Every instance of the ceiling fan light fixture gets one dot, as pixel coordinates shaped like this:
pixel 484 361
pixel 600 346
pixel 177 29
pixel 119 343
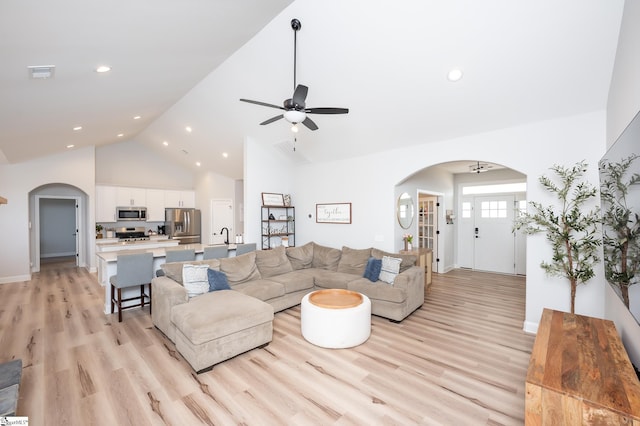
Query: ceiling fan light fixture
pixel 479 167
pixel 295 116
pixel 294 128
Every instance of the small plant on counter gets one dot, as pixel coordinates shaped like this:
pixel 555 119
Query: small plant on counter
pixel 98 230
pixel 572 232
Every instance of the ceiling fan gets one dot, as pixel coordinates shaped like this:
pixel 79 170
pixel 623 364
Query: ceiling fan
pixel 295 109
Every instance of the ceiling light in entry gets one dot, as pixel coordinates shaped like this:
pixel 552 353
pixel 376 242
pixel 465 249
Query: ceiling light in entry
pixel 103 68
pixel 120 135
pixel 188 129
pixel 225 155
pixel 77 128
pixel 137 117
pixel 198 163
pixel 70 146
pixel 165 143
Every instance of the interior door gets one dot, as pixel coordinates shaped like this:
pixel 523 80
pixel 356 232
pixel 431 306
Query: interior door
pixel 221 217
pixel 494 242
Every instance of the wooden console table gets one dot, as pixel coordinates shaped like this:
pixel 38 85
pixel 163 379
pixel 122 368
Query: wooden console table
pixel 580 374
pixel 425 260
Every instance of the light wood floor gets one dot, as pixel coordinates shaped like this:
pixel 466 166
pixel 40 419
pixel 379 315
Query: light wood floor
pixel 459 360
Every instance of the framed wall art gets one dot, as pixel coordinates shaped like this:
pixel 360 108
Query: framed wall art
pixel 272 199
pixel 333 213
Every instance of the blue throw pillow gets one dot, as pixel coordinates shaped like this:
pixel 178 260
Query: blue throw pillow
pixel 217 280
pixel 373 268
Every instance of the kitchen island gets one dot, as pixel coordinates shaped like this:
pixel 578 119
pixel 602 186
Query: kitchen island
pixel 107 264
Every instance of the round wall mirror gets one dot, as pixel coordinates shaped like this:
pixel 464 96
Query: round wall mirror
pixel 405 210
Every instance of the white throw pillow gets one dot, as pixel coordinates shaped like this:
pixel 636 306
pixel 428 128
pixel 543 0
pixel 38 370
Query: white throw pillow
pixel 195 279
pixel 390 269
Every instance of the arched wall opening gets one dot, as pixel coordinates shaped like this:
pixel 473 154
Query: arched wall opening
pixel 453 243
pixel 50 208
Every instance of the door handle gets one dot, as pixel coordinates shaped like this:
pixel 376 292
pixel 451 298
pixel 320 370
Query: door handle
pixel 476 232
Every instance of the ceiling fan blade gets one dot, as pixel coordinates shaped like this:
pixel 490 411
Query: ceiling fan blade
pixel 272 119
pixel 261 103
pixel 300 95
pixel 310 124
pixel 327 110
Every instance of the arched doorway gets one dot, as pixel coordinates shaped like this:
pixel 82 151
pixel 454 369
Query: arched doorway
pixel 460 216
pixel 57 221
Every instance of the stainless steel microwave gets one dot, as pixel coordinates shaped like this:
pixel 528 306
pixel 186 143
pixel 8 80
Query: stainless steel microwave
pixel 131 213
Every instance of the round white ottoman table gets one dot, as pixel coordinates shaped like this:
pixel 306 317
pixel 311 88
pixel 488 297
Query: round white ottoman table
pixel 335 318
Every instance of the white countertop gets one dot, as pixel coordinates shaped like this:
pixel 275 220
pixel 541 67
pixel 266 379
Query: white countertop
pixel 112 256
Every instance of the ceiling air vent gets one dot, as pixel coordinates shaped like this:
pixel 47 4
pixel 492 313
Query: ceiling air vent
pixel 39 72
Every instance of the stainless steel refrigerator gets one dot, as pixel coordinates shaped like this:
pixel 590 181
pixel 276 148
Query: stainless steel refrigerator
pixel 183 225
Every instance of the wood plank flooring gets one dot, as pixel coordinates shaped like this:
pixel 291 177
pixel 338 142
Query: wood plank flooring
pixel 461 359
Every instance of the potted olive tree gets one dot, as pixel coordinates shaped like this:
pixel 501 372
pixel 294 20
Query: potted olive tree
pixel 621 226
pixel 572 232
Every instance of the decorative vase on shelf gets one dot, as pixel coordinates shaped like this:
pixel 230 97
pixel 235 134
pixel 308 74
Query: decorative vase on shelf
pixel 409 246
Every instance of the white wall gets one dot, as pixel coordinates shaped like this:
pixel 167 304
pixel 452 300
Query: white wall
pixel 132 164
pixel 623 105
pixel 75 168
pixel 369 183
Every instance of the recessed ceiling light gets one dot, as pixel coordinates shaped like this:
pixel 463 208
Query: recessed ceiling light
pixel 77 128
pixel 225 155
pixel 198 163
pixel 165 143
pixel 120 135
pixel 137 117
pixel 103 68
pixel 455 74
pixel 188 129
pixel 70 146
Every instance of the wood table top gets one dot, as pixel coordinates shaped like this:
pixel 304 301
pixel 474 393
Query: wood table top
pixel 335 298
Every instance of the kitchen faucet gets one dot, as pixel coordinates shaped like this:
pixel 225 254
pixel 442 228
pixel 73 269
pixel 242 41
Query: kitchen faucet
pixel 226 241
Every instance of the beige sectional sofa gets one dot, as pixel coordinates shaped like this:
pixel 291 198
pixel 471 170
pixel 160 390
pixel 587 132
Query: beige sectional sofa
pixel 279 278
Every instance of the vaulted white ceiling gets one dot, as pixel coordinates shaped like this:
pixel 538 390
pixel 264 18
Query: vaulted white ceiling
pixel 187 63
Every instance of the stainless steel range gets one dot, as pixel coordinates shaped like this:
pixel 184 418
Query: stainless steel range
pixel 131 234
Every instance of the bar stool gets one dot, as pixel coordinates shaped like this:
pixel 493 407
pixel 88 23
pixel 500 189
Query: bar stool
pixel 132 270
pixel 245 248
pixel 180 255
pixel 215 252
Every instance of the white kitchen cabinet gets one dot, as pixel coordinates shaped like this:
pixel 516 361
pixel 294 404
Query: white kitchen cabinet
pixel 127 196
pixel 105 203
pixel 155 205
pixel 175 198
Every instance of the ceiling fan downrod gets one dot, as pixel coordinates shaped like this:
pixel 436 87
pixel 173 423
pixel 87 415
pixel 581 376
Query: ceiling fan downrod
pixel 295 25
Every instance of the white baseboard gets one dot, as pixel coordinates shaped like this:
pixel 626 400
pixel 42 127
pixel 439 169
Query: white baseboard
pixel 15 279
pixel 63 254
pixel 530 327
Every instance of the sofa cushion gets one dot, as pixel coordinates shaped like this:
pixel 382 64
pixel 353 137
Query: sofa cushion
pixel 408 260
pixel 241 268
pixel 378 290
pixel 218 314
pixel 330 279
pixel 295 281
pixel 273 262
pixel 373 268
pixel 173 270
pixel 390 269
pixel 300 257
pixel 325 257
pixel 261 289
pixel 194 279
pixel 217 280
pixel 353 261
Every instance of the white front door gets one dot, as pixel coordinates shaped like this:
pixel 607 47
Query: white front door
pixel 494 241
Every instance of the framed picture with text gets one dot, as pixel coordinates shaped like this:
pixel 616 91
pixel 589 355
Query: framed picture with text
pixel 333 213
pixel 272 199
